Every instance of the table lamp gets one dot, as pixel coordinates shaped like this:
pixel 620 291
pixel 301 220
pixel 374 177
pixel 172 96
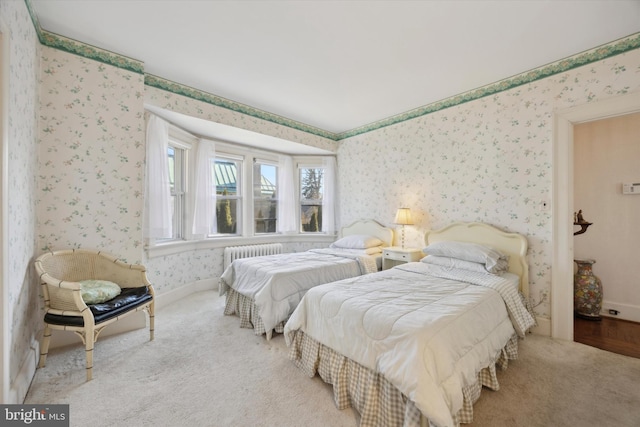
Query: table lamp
pixel 403 217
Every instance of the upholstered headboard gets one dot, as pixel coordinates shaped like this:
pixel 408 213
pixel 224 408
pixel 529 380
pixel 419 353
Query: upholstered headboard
pixel 369 227
pixel 513 244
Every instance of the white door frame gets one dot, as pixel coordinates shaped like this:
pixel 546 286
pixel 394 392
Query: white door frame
pixel 562 229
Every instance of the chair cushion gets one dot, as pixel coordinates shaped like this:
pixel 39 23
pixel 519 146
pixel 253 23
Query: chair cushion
pixel 128 299
pixel 98 291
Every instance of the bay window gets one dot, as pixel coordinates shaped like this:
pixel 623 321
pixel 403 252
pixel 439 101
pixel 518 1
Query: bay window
pixel 247 193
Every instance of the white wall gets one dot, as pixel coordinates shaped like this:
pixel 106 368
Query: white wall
pixel 607 154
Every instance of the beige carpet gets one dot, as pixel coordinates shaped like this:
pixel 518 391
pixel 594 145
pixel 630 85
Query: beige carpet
pixel 203 370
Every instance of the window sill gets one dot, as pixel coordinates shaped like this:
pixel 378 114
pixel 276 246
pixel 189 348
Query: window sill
pixel 170 248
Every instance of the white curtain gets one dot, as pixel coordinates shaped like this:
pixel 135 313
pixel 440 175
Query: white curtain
pixel 204 213
pixel 158 214
pixel 286 198
pixel 329 196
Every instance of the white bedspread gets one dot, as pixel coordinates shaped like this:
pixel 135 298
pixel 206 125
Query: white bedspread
pixel 427 335
pixel 277 283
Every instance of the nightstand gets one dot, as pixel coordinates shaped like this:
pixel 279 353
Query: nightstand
pixel 395 255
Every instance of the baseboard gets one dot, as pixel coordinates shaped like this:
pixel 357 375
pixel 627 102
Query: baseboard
pixel 543 327
pixel 19 388
pixel 625 311
pixel 167 298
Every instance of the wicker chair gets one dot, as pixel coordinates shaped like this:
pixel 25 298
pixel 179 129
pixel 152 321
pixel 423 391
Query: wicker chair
pixel 60 273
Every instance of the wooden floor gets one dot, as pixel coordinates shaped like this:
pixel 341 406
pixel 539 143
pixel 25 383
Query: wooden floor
pixel 611 334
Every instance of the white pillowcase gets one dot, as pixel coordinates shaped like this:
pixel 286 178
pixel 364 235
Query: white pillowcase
pixel 357 241
pixel 462 264
pixel 368 251
pixel 492 259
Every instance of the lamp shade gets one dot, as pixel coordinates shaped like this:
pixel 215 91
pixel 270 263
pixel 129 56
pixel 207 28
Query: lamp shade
pixel 403 217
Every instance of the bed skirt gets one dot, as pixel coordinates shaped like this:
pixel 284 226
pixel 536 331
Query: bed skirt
pixel 377 401
pixel 245 308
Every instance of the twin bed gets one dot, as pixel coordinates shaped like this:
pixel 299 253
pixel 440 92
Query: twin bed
pixel 263 291
pixel 415 344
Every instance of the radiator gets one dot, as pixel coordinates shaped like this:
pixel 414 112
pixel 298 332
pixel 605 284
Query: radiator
pixel 247 251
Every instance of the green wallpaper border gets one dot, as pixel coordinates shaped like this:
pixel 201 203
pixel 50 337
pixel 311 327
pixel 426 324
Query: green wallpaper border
pixel 198 95
pixel 56 41
pixel 617 47
pixel 85 50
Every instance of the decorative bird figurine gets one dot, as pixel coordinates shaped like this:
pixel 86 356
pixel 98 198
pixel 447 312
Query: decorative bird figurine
pixel 578 219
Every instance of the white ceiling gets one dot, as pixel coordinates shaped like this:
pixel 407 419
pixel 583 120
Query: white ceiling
pixel 339 65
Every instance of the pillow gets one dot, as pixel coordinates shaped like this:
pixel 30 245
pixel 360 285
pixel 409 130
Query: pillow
pixel 464 265
pixel 98 291
pixel 491 258
pixel 357 241
pixel 368 251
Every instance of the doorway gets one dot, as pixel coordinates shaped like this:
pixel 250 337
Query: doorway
pixel 563 193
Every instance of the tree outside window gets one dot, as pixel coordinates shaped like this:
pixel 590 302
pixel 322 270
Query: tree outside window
pixel 311 188
pixel 228 196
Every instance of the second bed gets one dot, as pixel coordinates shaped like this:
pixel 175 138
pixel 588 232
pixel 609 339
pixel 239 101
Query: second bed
pixel 263 291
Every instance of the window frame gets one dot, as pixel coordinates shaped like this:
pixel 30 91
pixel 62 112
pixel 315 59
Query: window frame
pixel 240 193
pixel 266 162
pixel 307 164
pixel 184 145
pixel 245 233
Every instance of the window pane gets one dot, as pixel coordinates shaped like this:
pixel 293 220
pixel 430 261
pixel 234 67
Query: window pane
pixel 226 173
pixel 176 159
pixel 228 194
pixel 264 181
pixel 171 152
pixel 311 218
pixel 174 217
pixel 265 202
pixel 311 188
pixel 227 215
pixel 265 215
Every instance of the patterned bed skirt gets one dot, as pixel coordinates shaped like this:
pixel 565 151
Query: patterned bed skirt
pixel 377 401
pixel 245 308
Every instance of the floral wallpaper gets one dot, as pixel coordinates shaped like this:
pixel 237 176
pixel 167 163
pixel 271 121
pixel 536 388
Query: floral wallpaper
pixel 92 154
pixel 22 296
pixel 488 160
pixel 171 272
